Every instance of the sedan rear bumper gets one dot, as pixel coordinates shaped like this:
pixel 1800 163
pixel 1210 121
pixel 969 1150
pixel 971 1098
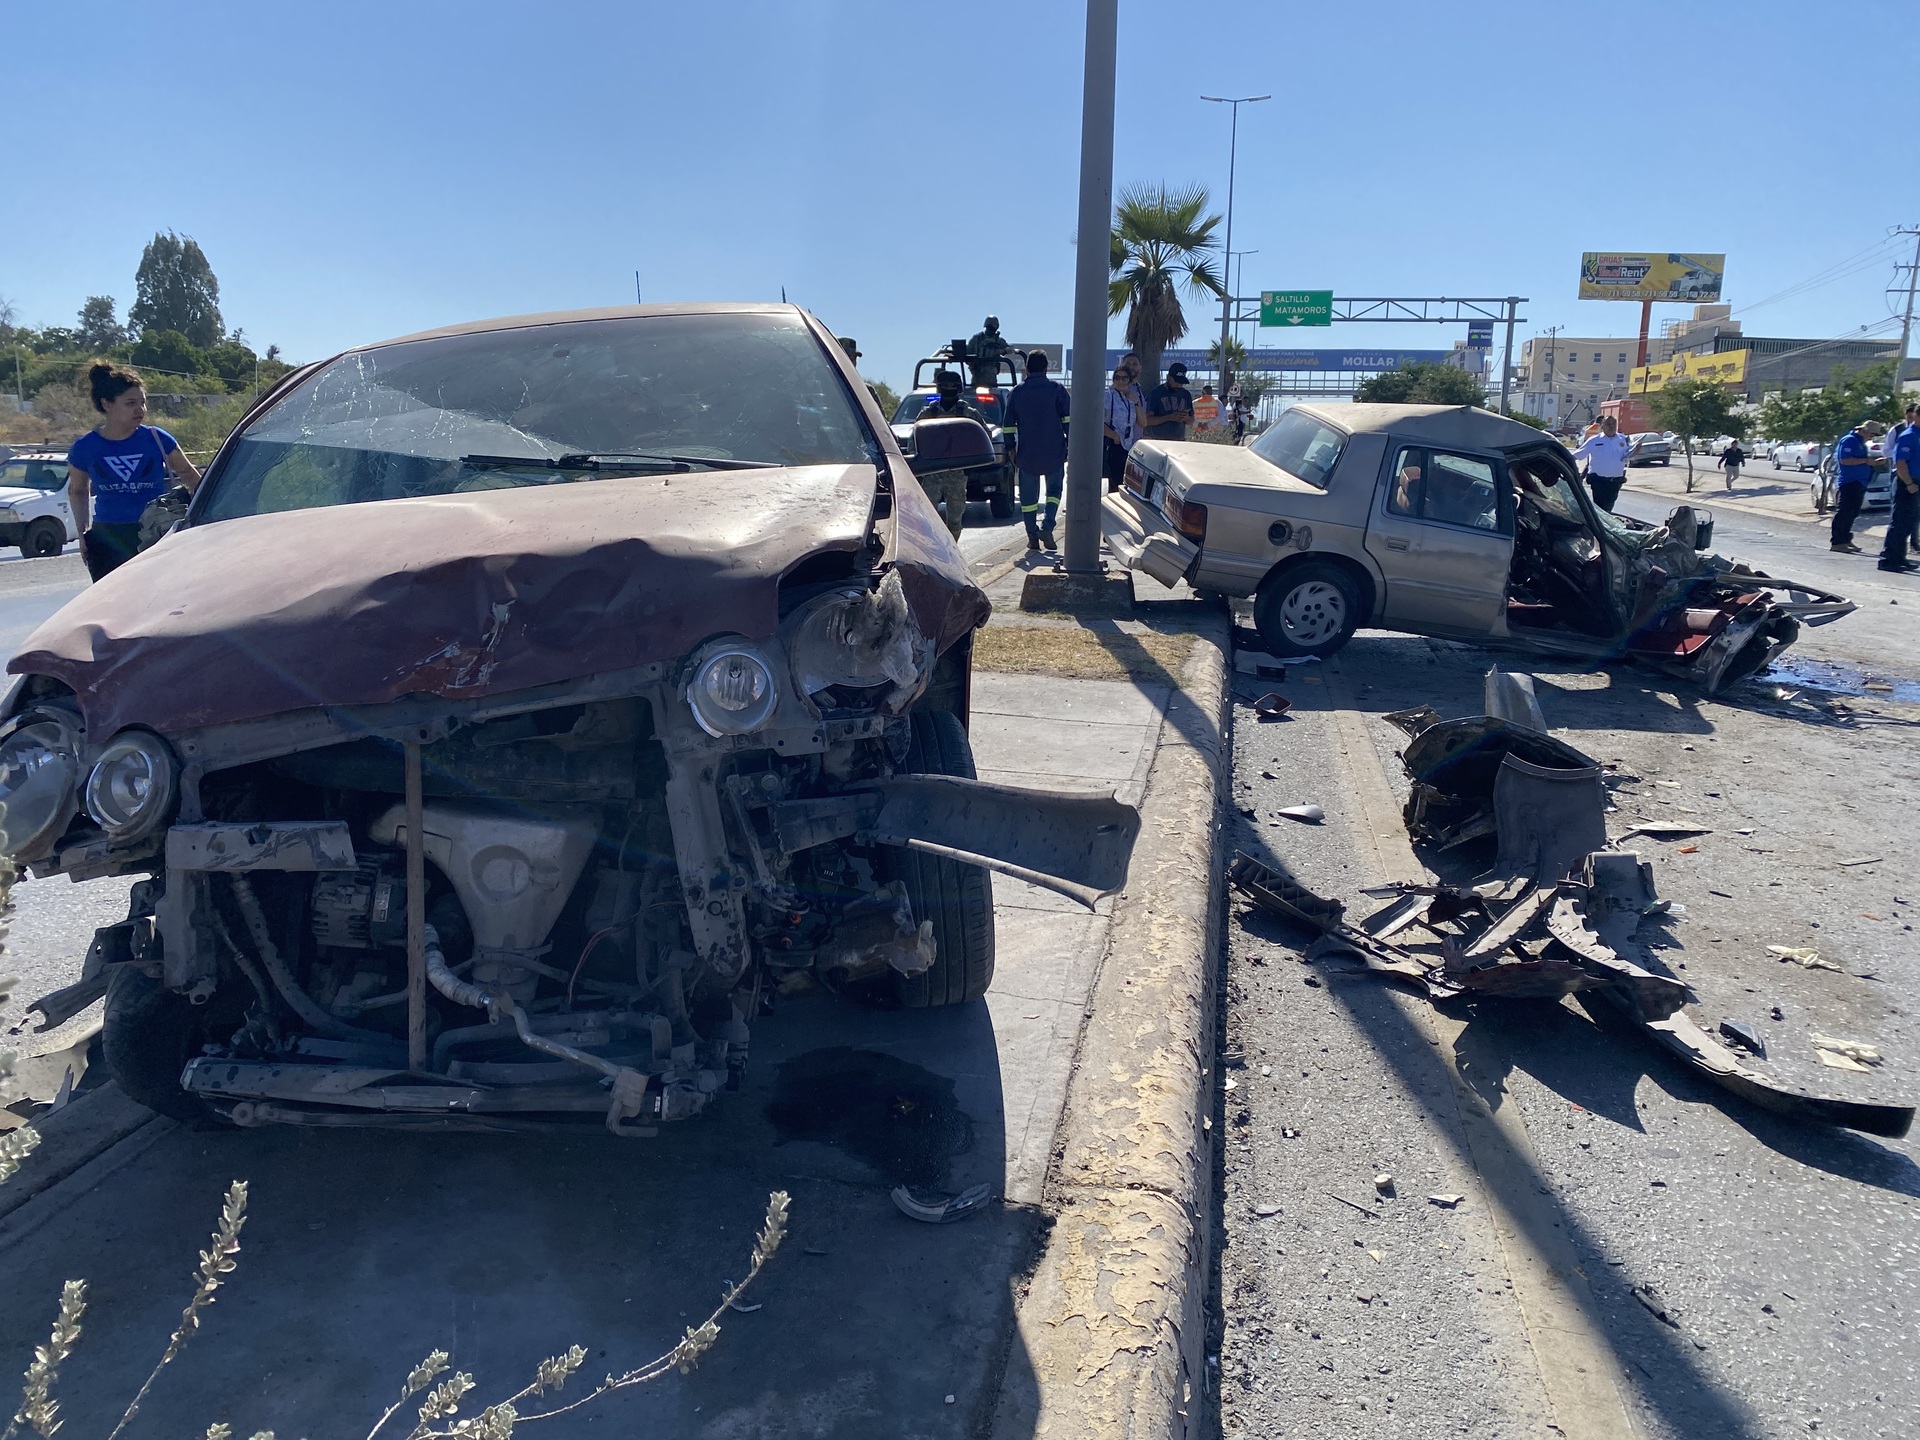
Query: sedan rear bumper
pixel 1141 540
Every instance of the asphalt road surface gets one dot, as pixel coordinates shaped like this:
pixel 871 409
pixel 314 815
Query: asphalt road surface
pixel 1780 1254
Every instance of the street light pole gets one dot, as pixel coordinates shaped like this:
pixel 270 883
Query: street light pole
pixel 1090 307
pixel 1233 156
pixel 1233 282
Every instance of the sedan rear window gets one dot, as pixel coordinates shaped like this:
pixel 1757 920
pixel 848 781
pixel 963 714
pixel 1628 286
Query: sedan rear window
pixel 543 405
pixel 1304 447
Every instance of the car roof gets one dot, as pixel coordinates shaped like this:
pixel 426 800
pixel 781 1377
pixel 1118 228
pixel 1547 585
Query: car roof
pixel 1465 425
pixel 568 317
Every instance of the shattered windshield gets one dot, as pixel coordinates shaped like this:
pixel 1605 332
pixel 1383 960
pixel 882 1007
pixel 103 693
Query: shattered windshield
pixel 448 416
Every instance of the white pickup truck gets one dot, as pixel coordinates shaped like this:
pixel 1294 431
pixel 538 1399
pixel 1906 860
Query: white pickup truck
pixel 34 513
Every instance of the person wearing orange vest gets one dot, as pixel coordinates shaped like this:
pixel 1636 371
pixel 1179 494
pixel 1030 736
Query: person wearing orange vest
pixel 1206 409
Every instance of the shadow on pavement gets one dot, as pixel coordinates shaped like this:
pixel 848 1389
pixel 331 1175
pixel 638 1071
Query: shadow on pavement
pixel 365 1250
pixel 1669 1379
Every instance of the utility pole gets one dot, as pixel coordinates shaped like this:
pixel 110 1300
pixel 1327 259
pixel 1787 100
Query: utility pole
pixel 636 288
pixel 1091 266
pixel 1506 363
pixel 1233 155
pixel 1906 324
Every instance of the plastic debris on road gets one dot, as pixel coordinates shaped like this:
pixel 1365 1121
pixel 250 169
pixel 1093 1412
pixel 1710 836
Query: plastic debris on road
pixel 933 1208
pixel 1799 955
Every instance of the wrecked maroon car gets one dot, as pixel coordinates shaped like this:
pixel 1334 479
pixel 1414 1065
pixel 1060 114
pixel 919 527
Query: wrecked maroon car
pixel 518 706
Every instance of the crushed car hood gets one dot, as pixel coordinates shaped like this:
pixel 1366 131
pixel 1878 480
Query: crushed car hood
pixel 463 596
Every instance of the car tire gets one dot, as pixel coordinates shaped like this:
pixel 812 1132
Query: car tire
pixel 1312 609
pixel 43 538
pixel 147 1035
pixel 957 898
pixel 1000 505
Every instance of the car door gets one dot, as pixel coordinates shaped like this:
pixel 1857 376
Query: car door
pixel 1441 532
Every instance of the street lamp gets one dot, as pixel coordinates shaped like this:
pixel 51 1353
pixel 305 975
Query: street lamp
pixel 1233 155
pixel 1233 284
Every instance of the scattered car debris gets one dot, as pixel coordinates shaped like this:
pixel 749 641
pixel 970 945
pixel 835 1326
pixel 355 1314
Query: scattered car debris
pixel 1272 706
pixel 1666 830
pixel 1254 662
pixel 1354 1205
pixel 1305 814
pixel 1846 1054
pixel 1383 1184
pixel 1745 1036
pixel 1864 860
pixel 1799 955
pixel 933 1208
pixel 1445 1202
pixel 1266 1211
pixel 1646 1295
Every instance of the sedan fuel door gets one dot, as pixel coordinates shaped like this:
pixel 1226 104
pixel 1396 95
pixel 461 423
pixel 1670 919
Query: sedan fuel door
pixel 1441 532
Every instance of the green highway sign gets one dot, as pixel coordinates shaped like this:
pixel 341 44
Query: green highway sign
pixel 1288 309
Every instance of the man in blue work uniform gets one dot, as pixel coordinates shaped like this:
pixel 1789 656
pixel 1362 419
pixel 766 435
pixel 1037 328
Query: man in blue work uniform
pixel 1855 467
pixel 1036 410
pixel 1906 501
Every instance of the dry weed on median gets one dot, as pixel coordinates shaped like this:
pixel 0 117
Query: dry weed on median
pixel 1080 653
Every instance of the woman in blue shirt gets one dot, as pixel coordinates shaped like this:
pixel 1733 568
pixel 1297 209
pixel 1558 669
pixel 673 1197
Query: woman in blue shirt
pixel 118 468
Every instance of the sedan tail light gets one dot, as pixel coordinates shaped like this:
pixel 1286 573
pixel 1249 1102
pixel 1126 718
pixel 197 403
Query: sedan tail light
pixel 1189 519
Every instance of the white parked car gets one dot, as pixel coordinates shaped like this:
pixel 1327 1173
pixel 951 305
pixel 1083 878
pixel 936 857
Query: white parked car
pixel 33 503
pixel 1797 455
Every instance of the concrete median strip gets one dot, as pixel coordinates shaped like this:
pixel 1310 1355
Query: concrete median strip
pixel 1114 1316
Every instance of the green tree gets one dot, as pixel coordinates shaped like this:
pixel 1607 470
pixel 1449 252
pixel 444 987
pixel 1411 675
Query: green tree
pixel 1691 408
pixel 1421 383
pixel 233 363
pixel 885 396
pixel 99 330
pixel 177 291
pixel 1236 362
pixel 169 353
pixel 1161 240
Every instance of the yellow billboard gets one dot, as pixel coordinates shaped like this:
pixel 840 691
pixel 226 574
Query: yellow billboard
pixel 1611 275
pixel 1729 367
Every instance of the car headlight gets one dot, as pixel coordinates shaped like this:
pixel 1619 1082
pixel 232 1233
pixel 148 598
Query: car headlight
pixel 860 638
pixel 732 691
pixel 38 768
pixel 132 785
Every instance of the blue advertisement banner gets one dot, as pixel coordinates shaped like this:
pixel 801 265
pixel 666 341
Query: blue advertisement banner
pixel 1276 359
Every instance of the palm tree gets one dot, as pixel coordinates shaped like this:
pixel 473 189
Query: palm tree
pixel 1160 238
pixel 1236 362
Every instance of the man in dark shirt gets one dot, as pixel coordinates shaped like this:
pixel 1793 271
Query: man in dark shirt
pixel 1170 406
pixel 1037 439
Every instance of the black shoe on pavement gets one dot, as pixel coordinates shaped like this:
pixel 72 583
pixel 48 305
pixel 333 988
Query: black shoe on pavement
pixel 1046 539
pixel 1898 567
pixel 1847 550
pixel 1033 542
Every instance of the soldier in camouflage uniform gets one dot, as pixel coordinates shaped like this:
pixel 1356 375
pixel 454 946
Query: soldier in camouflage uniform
pixel 948 488
pixel 985 351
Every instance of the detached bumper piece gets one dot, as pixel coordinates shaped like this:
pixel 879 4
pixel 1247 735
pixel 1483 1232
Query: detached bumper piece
pixel 1558 914
pixel 1542 945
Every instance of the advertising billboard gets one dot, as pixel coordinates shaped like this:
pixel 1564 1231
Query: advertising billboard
pixel 1610 275
pixel 1729 367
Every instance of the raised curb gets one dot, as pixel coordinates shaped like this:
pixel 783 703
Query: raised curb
pixel 1114 1317
pixel 93 1124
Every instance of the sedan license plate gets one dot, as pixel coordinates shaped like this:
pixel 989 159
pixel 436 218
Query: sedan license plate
pixel 1156 492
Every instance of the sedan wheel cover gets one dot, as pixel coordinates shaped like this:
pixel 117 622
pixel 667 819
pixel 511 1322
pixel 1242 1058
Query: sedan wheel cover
pixel 1313 613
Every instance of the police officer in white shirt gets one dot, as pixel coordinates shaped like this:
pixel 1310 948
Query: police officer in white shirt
pixel 1606 455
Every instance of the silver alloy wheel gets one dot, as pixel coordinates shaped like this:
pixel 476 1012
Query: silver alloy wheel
pixel 1313 613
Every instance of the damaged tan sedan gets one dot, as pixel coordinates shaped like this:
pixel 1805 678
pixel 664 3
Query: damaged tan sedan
pixel 1445 521
pixel 517 707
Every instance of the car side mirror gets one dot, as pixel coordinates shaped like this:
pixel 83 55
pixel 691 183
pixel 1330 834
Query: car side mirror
pixel 955 442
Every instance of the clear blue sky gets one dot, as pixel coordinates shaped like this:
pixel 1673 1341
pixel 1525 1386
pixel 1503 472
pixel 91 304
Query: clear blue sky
pixel 356 171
